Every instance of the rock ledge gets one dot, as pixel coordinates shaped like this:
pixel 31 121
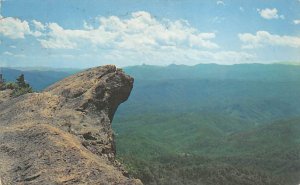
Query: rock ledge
pixel 63 135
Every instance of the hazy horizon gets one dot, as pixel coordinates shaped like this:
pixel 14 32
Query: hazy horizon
pixel 42 68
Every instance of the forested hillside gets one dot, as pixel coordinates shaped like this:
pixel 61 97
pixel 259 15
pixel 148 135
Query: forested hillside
pixel 212 124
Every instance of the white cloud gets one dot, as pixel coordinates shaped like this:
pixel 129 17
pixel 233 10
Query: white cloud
pixel 220 3
pixel 270 13
pixel 264 38
pixel 142 39
pixel 87 26
pixel 14 28
pixel 37 33
pixel 137 39
pixel 7 53
pixel 60 38
pixel 38 25
pixel 141 30
pixel 296 21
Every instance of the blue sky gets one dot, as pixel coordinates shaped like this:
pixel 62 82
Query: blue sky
pixel 79 34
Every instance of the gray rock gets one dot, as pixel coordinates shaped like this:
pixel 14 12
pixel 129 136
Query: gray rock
pixel 63 135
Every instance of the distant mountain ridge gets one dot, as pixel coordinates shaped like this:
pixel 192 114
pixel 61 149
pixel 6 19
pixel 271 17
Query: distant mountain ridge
pixel 261 72
pixel 37 79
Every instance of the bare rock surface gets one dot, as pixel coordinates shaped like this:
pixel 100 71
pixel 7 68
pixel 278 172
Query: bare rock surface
pixel 63 135
pixel 5 95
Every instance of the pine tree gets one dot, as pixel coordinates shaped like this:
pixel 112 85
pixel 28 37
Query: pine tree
pixel 21 81
pixel 22 86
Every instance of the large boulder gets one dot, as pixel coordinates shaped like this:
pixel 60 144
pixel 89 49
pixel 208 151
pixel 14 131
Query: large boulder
pixel 63 135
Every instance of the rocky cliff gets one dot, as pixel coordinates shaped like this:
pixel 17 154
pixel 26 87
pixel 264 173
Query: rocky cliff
pixel 63 135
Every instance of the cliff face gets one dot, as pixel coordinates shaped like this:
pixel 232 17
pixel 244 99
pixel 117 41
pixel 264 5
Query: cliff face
pixel 63 135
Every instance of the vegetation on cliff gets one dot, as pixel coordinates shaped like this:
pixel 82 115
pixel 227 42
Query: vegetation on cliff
pixel 18 88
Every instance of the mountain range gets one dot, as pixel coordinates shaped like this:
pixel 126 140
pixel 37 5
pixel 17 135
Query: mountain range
pixel 206 124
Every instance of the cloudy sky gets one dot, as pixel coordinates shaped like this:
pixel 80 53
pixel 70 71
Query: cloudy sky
pixel 85 33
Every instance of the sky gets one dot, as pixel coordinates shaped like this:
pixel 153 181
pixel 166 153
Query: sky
pixel 86 33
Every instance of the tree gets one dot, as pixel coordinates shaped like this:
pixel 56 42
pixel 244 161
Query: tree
pixel 22 86
pixel 21 82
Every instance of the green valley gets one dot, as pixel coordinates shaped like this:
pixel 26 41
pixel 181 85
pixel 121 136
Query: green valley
pixel 211 124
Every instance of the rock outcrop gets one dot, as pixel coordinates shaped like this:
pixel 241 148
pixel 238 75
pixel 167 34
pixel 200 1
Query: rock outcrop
pixel 63 135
